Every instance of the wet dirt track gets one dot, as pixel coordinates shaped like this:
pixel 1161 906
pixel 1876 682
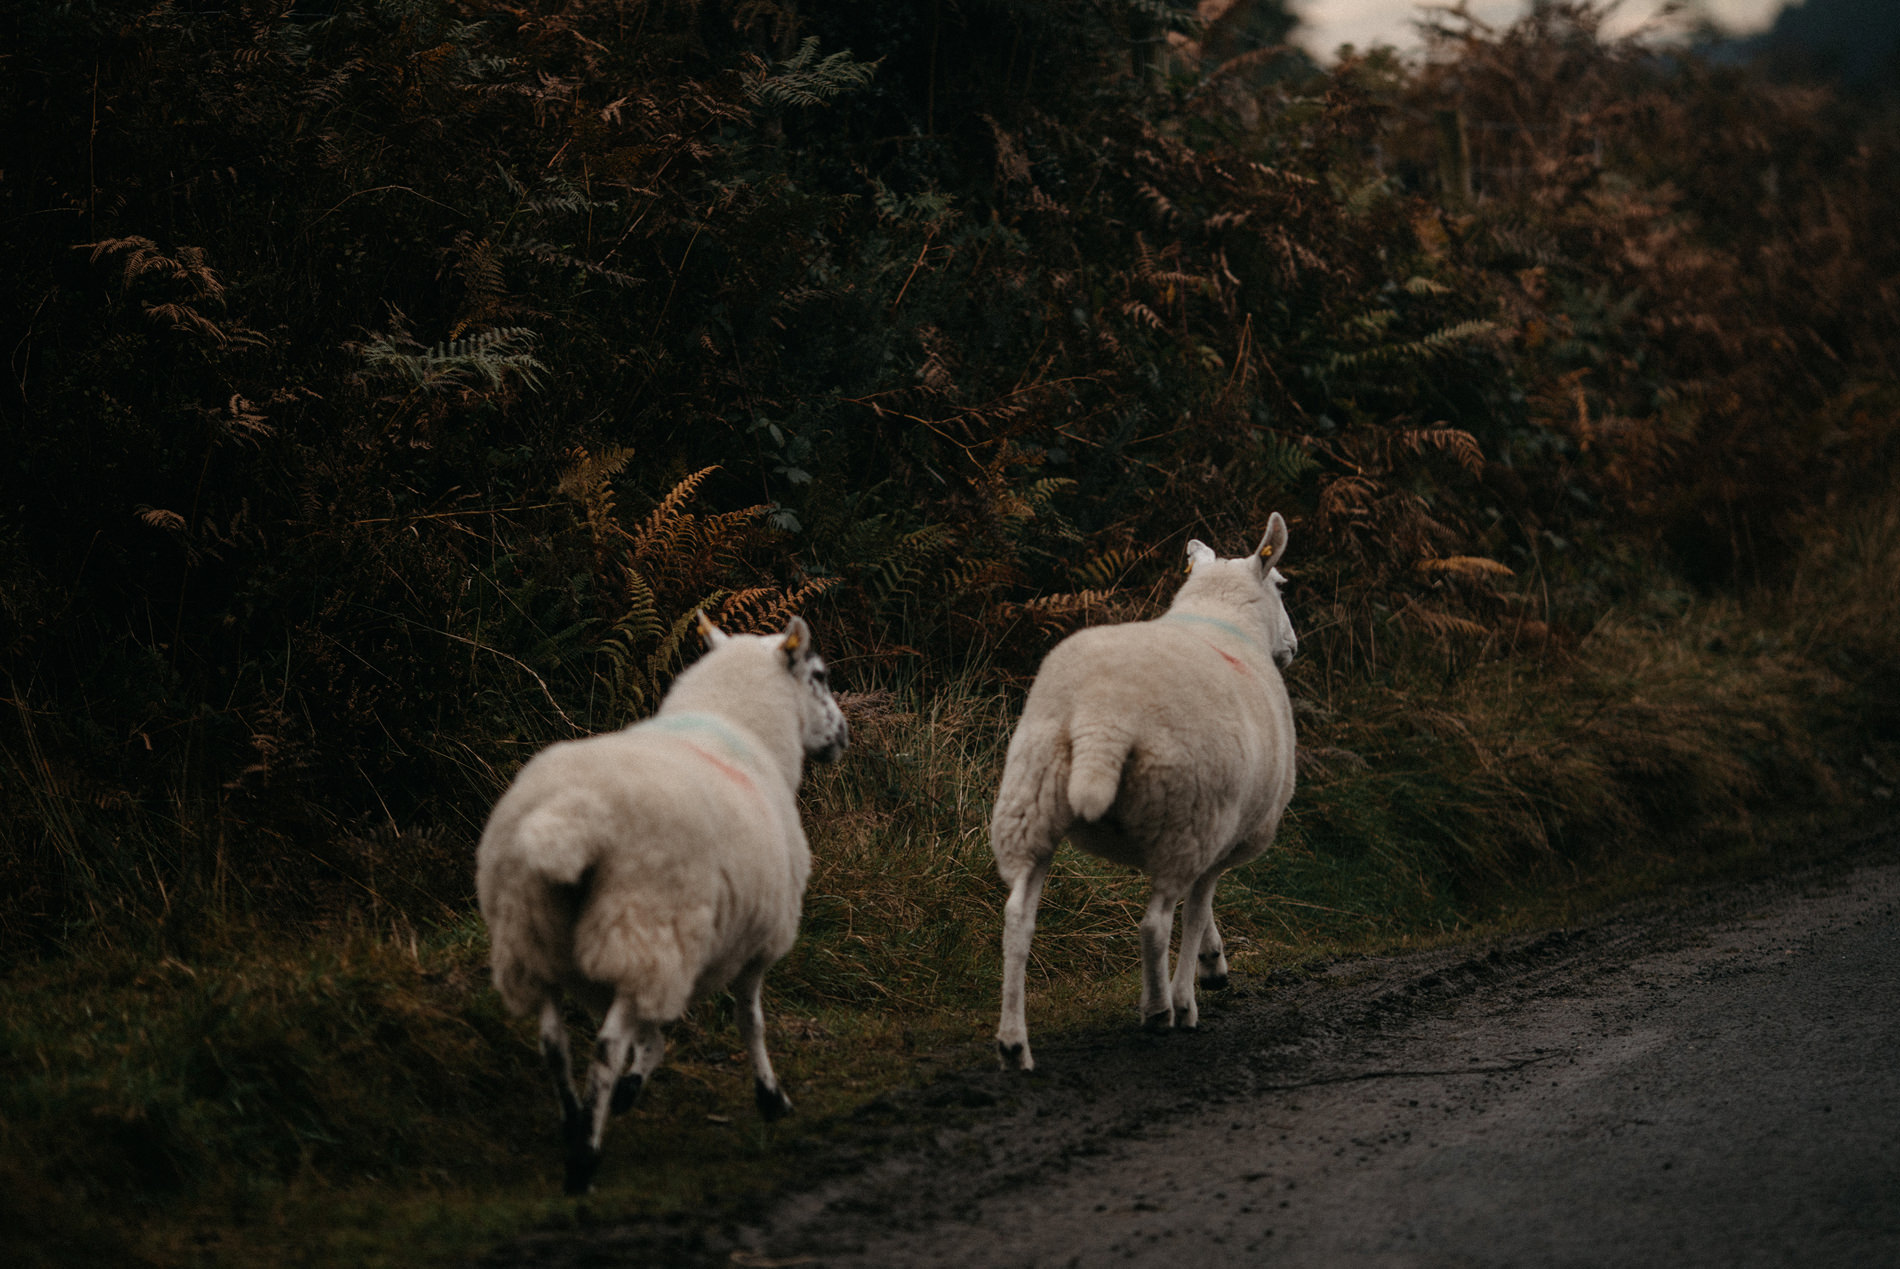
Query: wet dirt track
pixel 1716 1083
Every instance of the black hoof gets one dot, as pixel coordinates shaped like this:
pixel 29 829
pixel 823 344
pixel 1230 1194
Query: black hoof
pixel 626 1092
pixel 580 1172
pixel 773 1104
pixel 1010 1055
pixel 1159 1022
pixel 1215 982
pixel 582 1159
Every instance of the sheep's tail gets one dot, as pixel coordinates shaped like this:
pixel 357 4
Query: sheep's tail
pixel 1097 755
pixel 554 847
pixel 531 888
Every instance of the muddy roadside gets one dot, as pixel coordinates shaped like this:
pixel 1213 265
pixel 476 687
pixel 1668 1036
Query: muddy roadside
pixel 1708 1077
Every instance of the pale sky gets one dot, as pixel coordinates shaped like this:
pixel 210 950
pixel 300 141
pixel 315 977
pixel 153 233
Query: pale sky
pixel 1326 24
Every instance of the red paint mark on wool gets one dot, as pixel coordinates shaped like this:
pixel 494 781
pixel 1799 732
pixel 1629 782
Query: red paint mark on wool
pixel 1240 667
pixel 726 769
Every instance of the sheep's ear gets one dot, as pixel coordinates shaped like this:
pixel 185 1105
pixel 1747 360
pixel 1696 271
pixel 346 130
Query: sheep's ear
pixel 1198 552
pixel 1273 546
pixel 712 634
pixel 796 643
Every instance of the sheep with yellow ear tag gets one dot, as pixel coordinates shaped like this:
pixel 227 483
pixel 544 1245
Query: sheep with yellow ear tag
pixel 638 870
pixel 1166 745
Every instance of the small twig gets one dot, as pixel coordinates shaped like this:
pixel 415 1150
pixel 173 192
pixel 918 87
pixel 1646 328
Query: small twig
pixel 523 665
pixel 477 644
pixel 448 515
pixel 922 252
pixel 677 272
pixel 1302 903
pixel 383 189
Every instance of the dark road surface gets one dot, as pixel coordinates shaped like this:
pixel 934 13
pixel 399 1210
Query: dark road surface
pixel 1710 1085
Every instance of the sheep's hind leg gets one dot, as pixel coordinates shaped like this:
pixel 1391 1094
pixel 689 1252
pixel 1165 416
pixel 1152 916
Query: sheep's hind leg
pixel 1198 935
pixel 1019 928
pixel 772 1101
pixel 560 1066
pixel 1157 924
pixel 611 1050
pixel 1213 957
pixel 649 1046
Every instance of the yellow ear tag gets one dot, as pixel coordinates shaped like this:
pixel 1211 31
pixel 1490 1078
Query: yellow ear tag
pixel 791 642
pixel 705 626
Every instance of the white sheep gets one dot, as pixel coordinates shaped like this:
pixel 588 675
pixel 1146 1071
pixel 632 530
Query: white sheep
pixel 640 869
pixel 1166 745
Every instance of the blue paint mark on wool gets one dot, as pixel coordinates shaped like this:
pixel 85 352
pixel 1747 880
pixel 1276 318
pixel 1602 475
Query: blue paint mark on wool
pixel 720 730
pixel 1228 626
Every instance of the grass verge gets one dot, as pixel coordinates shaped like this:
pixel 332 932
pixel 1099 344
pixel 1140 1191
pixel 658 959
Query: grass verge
pixel 352 1093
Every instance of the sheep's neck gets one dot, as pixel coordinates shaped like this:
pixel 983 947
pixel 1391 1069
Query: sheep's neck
pixel 1218 624
pixel 730 738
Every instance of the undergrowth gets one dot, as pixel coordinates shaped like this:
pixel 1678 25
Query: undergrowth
pixel 391 380
pixel 352 1093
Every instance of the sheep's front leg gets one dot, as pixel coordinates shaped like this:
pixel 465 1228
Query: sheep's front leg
pixel 1019 928
pixel 611 1050
pixel 1197 935
pixel 1157 924
pixel 773 1103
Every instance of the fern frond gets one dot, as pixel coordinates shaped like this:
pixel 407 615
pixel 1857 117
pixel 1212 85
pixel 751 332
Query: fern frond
pixel 1347 496
pixel 1457 442
pixel 663 520
pixel 1144 258
pixel 1436 344
pixel 588 479
pixel 159 518
pixel 1440 625
pixel 1041 491
pixel 662 659
pixel 486 357
pixel 1283 461
pixel 1142 314
pixel 893 573
pixel 1110 569
pixel 744 610
pixel 558 194
pixel 546 253
pixel 1469 568
pixel 641 620
pixel 804 80
pixel 1164 208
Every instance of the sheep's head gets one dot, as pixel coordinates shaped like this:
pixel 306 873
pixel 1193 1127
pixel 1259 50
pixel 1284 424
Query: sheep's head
pixel 822 725
pixel 1250 581
pixel 822 730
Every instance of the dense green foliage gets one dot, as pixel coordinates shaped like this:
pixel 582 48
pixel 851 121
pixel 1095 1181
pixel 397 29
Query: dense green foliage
pixel 390 379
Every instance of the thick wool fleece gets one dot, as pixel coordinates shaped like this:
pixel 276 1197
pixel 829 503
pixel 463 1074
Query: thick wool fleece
pixel 1180 726
pixel 658 860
